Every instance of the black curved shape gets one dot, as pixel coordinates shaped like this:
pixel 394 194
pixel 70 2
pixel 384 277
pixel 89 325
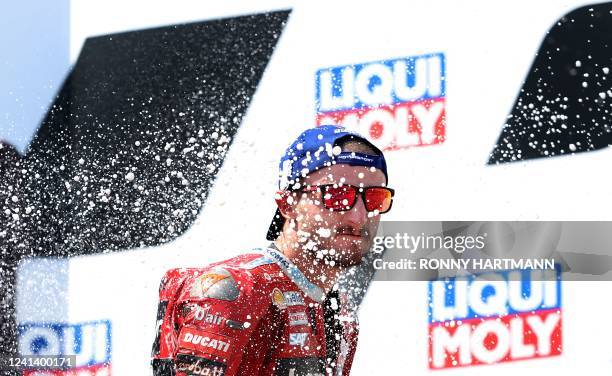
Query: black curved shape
pixel 131 147
pixel 128 151
pixel 565 104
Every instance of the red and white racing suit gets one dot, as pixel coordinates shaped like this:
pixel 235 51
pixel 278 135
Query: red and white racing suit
pixel 254 314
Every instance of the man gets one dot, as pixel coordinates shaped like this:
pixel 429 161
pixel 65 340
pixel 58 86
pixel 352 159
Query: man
pixel 278 311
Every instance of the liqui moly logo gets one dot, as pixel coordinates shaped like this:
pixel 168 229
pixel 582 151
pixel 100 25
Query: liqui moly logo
pixel 89 341
pixel 398 103
pixel 493 318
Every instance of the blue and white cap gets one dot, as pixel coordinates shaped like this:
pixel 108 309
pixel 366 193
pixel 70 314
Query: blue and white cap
pixel 316 148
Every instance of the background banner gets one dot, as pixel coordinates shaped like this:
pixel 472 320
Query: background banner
pixel 160 149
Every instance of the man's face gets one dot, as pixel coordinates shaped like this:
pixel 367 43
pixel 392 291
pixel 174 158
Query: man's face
pixel 338 237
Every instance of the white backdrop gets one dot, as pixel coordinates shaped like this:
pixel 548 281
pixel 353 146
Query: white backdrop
pixel 489 47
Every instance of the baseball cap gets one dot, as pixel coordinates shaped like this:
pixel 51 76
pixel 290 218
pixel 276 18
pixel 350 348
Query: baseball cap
pixel 316 148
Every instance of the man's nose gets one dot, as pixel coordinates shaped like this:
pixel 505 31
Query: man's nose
pixel 358 212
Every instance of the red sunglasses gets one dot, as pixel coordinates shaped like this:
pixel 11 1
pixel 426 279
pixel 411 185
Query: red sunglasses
pixel 343 197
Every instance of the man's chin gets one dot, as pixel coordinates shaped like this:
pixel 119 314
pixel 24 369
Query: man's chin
pixel 349 256
pixel 344 251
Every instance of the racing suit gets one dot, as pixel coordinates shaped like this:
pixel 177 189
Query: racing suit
pixel 254 314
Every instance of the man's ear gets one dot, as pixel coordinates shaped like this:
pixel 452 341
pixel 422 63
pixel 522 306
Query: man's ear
pixel 285 202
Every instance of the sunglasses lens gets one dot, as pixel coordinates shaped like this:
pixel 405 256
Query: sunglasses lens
pixel 378 199
pixel 339 198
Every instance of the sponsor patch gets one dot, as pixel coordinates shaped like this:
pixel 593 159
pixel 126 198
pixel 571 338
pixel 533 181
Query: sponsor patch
pixel 209 279
pixel 278 299
pixel 204 314
pixel 298 339
pixel 298 318
pixel 204 342
pixel 193 365
pixel 293 298
pixel 217 284
pixel 286 299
